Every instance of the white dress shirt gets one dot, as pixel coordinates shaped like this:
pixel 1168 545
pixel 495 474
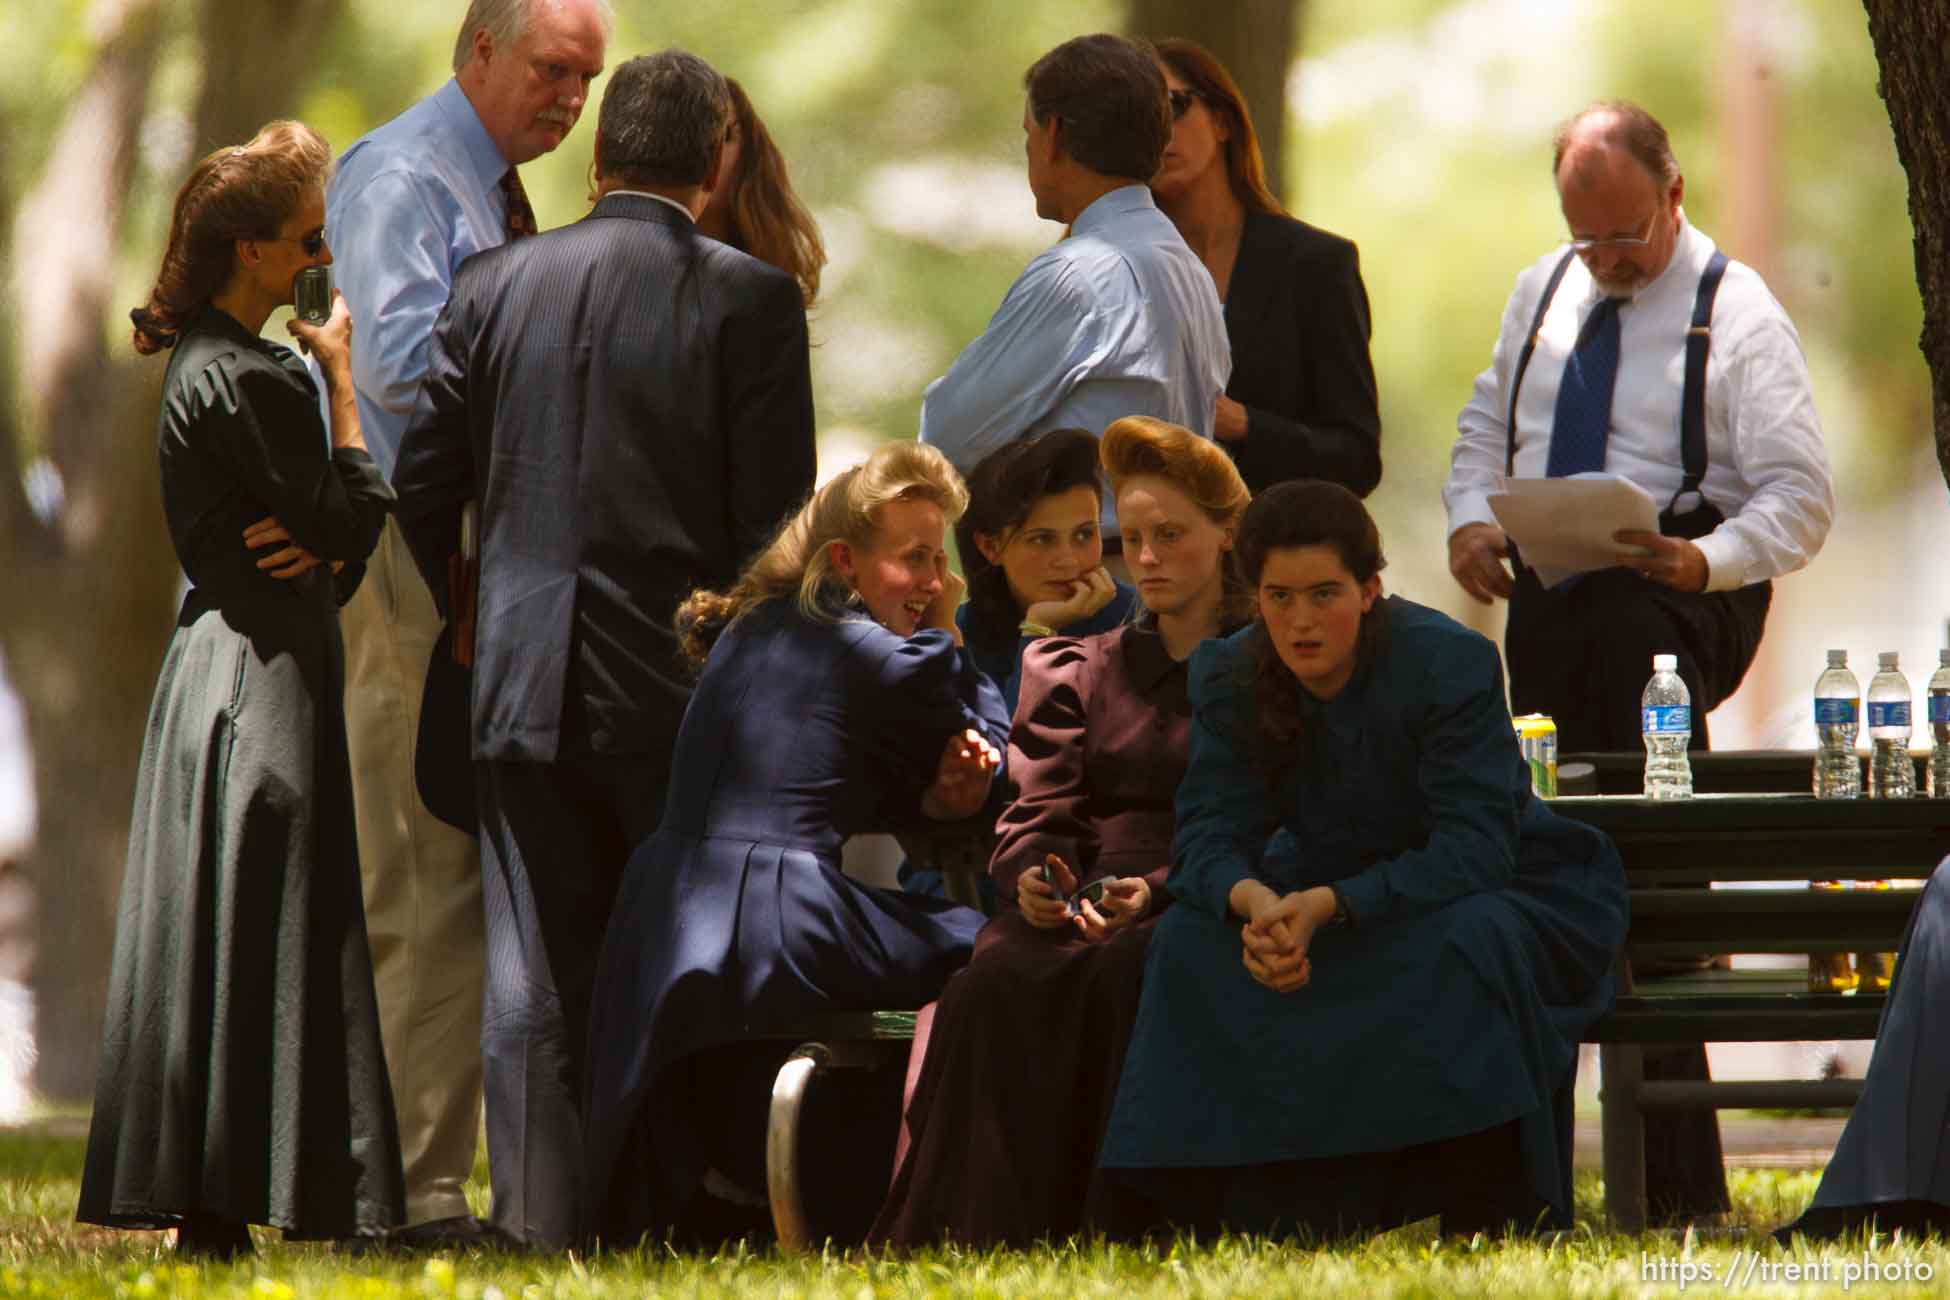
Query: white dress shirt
pixel 1767 470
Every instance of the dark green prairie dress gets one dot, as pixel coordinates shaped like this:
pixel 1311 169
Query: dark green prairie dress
pixel 1440 1029
pixel 241 1071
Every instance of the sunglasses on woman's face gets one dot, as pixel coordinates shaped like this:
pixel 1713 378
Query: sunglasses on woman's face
pixel 313 243
pixel 1181 102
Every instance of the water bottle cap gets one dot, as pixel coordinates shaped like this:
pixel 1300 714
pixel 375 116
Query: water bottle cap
pixel 1943 657
pixel 1839 658
pixel 1887 660
pixel 1665 663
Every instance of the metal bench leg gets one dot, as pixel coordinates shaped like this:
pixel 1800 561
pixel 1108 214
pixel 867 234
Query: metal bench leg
pixel 1622 1124
pixel 782 1146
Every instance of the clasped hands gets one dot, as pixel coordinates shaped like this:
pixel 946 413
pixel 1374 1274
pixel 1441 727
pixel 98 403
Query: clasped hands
pixel 1278 931
pixel 1045 904
pixel 1476 553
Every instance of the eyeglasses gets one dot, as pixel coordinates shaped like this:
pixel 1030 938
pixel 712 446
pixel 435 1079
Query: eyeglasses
pixel 1181 102
pixel 1618 243
pixel 313 243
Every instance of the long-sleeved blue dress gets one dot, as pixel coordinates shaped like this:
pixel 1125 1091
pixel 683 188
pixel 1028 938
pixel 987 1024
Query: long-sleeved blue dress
pixel 734 919
pixel 1483 931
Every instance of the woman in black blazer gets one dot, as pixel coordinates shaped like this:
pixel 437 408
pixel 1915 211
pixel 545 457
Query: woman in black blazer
pixel 1301 402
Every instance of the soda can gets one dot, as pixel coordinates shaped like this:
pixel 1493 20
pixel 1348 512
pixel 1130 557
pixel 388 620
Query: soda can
pixel 1537 739
pixel 311 294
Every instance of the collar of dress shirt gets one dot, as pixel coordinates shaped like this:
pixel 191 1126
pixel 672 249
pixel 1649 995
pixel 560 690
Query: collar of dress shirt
pixel 1107 207
pixel 661 198
pixel 483 159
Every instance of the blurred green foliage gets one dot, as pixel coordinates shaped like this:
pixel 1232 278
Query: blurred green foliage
pixel 1422 132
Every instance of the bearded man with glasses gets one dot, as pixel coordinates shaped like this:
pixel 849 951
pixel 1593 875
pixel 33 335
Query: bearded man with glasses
pixel 1641 350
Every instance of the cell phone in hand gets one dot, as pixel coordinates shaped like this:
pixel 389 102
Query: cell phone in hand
pixel 1073 903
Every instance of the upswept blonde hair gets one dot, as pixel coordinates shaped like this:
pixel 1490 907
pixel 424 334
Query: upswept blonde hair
pixel 797 563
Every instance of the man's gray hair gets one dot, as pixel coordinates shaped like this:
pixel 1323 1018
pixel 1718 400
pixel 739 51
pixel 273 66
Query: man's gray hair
pixel 505 21
pixel 663 120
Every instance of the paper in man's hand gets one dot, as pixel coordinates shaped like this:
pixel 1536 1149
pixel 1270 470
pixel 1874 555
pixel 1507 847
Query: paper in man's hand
pixel 1564 526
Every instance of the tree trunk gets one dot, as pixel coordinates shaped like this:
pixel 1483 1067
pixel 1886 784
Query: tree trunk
pixel 1912 44
pixel 1255 40
pixel 87 605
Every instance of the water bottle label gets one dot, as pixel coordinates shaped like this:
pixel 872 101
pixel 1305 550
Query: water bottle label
pixel 1940 707
pixel 1838 713
pixel 1888 713
pixel 1666 719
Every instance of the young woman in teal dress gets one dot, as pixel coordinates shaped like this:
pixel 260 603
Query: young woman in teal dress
pixel 1378 1021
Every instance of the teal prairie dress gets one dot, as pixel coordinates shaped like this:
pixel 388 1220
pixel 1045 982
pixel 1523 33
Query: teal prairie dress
pixel 1426 1066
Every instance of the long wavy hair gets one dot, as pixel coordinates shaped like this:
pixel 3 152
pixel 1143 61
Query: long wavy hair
pixel 1140 445
pixel 1197 67
pixel 797 564
pixel 244 192
pixel 767 218
pixel 1305 512
pixel 1003 488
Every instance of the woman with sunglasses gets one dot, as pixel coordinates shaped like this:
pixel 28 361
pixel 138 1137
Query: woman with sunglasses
pixel 754 208
pixel 242 1078
pixel 1381 1022
pixel 1301 402
pixel 1018 1068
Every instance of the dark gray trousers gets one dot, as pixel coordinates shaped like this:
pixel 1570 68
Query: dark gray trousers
pixel 554 841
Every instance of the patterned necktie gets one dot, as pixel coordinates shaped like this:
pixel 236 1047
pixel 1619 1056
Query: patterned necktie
pixel 521 216
pixel 1583 418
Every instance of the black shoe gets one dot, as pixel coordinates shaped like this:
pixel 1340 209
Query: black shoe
pixel 460 1232
pixel 456 1233
pixel 210 1236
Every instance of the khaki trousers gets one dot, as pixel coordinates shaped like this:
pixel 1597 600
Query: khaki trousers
pixel 422 888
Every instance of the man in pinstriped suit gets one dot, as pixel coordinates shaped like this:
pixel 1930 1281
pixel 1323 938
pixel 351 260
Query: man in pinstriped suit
pixel 631 404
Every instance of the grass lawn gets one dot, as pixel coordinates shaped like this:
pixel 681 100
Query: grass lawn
pixel 44 1253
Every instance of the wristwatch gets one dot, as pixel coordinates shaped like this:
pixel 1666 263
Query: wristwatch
pixel 1341 915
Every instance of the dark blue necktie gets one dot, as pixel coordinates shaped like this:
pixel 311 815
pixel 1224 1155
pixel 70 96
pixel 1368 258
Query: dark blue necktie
pixel 1583 418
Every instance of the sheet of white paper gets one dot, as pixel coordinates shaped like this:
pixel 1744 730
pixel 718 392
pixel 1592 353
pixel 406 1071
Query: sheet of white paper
pixel 1565 525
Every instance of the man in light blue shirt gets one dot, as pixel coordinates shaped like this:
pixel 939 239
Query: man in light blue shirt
pixel 1121 318
pixel 410 202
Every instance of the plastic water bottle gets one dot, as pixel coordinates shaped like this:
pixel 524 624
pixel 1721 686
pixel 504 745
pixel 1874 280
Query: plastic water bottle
pixel 1890 774
pixel 1666 710
pixel 1838 709
pixel 1940 728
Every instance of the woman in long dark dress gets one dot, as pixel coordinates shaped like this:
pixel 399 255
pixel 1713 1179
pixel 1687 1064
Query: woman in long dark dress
pixel 242 1079
pixel 1301 402
pixel 1021 1061
pixel 835 698
pixel 1891 1168
pixel 1392 1031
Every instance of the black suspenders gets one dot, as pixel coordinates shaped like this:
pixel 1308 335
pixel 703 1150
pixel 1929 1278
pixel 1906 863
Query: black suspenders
pixel 1692 402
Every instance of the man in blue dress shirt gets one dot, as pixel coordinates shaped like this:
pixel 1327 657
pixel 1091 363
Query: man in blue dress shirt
pixel 1120 318
pixel 410 202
